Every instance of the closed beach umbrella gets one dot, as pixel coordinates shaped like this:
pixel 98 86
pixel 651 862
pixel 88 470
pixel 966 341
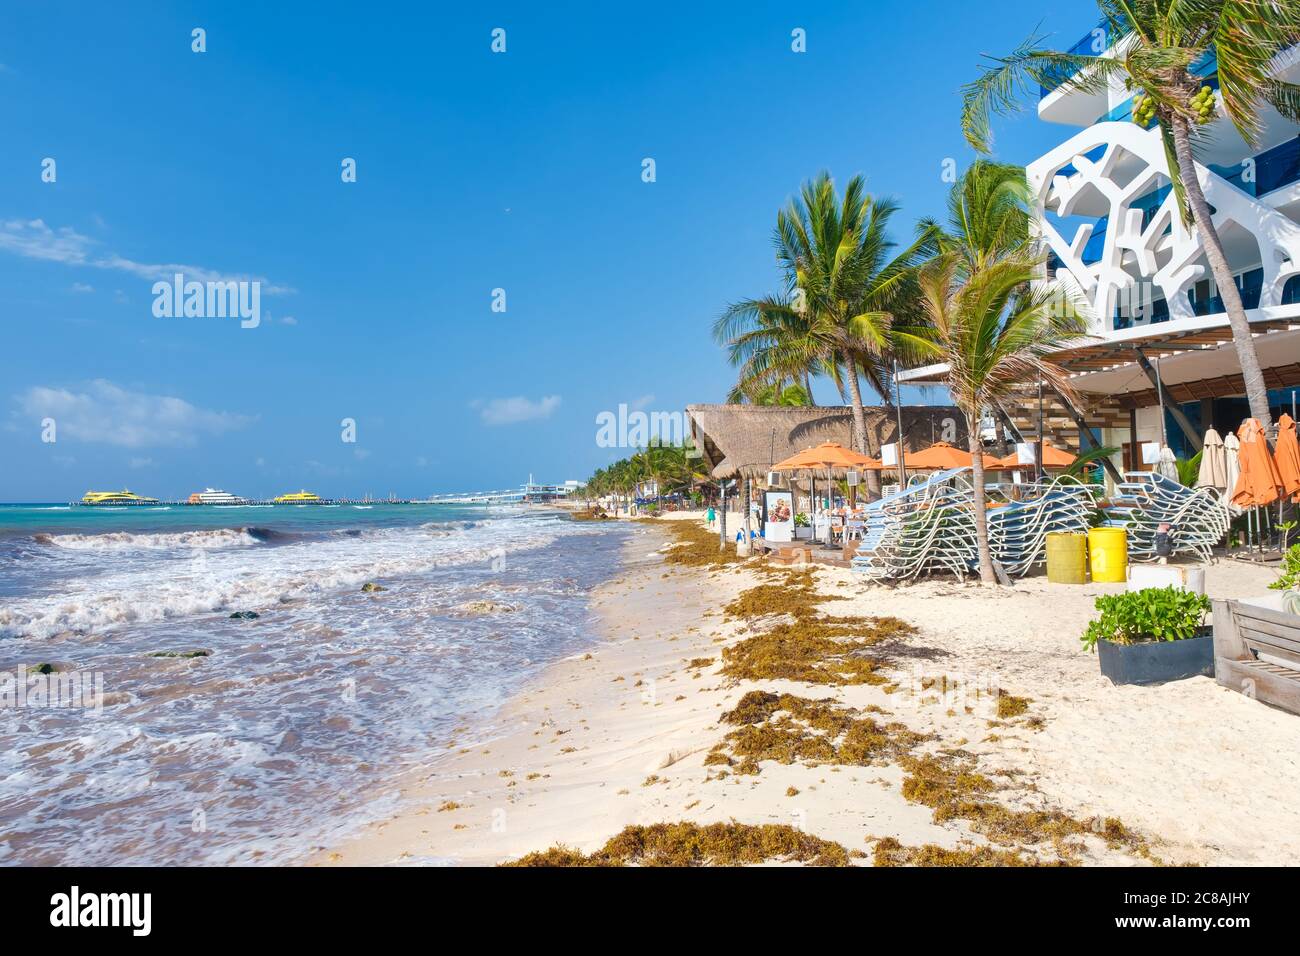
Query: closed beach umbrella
pixel 1259 482
pixel 1231 468
pixel 1214 463
pixel 1168 464
pixel 1287 456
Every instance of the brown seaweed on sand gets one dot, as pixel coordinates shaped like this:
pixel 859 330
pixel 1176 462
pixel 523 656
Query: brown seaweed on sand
pixel 691 844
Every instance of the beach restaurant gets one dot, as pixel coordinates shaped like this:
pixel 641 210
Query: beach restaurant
pixel 742 444
pixel 745 441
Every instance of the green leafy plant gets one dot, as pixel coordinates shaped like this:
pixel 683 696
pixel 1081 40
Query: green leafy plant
pixel 1152 614
pixel 801 520
pixel 1284 529
pixel 1288 577
pixel 1087 467
pixel 1189 470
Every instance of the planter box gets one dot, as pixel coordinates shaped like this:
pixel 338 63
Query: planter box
pixel 1155 662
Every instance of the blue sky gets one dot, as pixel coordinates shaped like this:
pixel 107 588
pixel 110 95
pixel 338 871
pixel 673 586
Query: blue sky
pixel 475 171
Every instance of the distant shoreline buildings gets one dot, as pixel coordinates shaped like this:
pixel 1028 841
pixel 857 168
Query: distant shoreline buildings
pixel 214 497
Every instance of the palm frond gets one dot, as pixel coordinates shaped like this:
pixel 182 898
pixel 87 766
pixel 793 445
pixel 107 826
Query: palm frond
pixel 1007 82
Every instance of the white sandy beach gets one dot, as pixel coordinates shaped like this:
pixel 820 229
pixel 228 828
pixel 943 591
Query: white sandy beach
pixel 619 736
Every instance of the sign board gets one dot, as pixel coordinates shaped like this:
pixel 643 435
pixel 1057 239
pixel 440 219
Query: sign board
pixel 851 479
pixel 778 516
pixel 1151 453
pixel 889 455
pixel 1024 453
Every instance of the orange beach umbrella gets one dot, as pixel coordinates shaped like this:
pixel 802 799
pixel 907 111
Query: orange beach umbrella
pixel 1259 482
pixel 938 457
pixel 828 454
pixel 1287 456
pixel 1052 458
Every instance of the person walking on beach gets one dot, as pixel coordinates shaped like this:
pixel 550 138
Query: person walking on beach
pixel 710 516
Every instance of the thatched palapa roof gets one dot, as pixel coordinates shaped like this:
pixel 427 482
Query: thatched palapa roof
pixel 746 440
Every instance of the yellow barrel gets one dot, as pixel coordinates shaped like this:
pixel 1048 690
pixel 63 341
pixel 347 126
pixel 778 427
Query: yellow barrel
pixel 1108 548
pixel 1067 559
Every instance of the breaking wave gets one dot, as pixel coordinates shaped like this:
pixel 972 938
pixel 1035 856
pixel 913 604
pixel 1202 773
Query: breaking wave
pixel 208 580
pixel 125 540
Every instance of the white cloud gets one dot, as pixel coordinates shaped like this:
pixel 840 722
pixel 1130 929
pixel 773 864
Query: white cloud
pixel 82 287
pixel 109 414
pixel 141 462
pixel 509 411
pixel 33 239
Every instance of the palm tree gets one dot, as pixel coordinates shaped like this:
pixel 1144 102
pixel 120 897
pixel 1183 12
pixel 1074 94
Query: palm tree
pixel 793 394
pixel 988 215
pixel 622 477
pixel 774 345
pixel 995 330
pixel 843 284
pixel 1156 45
pixel 672 467
pixel 783 392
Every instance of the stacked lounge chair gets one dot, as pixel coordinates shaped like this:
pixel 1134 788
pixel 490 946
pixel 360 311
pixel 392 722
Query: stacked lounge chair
pixel 1197 517
pixel 923 528
pixel 1018 530
pixel 930 526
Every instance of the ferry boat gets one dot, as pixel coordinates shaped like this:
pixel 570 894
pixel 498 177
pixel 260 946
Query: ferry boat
pixel 299 498
pixel 118 498
pixel 215 496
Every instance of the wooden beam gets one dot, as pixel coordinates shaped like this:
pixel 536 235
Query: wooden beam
pixel 1085 436
pixel 1169 401
pixel 1010 425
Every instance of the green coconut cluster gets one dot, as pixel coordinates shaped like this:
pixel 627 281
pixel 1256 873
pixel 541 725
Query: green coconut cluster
pixel 1144 109
pixel 1203 104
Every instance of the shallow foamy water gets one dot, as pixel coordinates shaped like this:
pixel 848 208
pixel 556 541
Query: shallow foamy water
pixel 293 728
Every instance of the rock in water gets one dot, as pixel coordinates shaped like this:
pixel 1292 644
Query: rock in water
pixel 474 608
pixel 51 667
pixel 198 653
pixel 245 616
pixel 370 587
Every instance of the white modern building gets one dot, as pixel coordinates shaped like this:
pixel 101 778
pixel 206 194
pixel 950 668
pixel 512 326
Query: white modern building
pixel 1105 209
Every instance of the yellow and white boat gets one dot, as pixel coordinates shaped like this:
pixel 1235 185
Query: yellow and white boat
pixel 299 498
pixel 122 497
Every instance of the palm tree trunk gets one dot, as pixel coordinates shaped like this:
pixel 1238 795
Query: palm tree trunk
pixel 1256 391
pixel 807 387
pixel 860 426
pixel 981 516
